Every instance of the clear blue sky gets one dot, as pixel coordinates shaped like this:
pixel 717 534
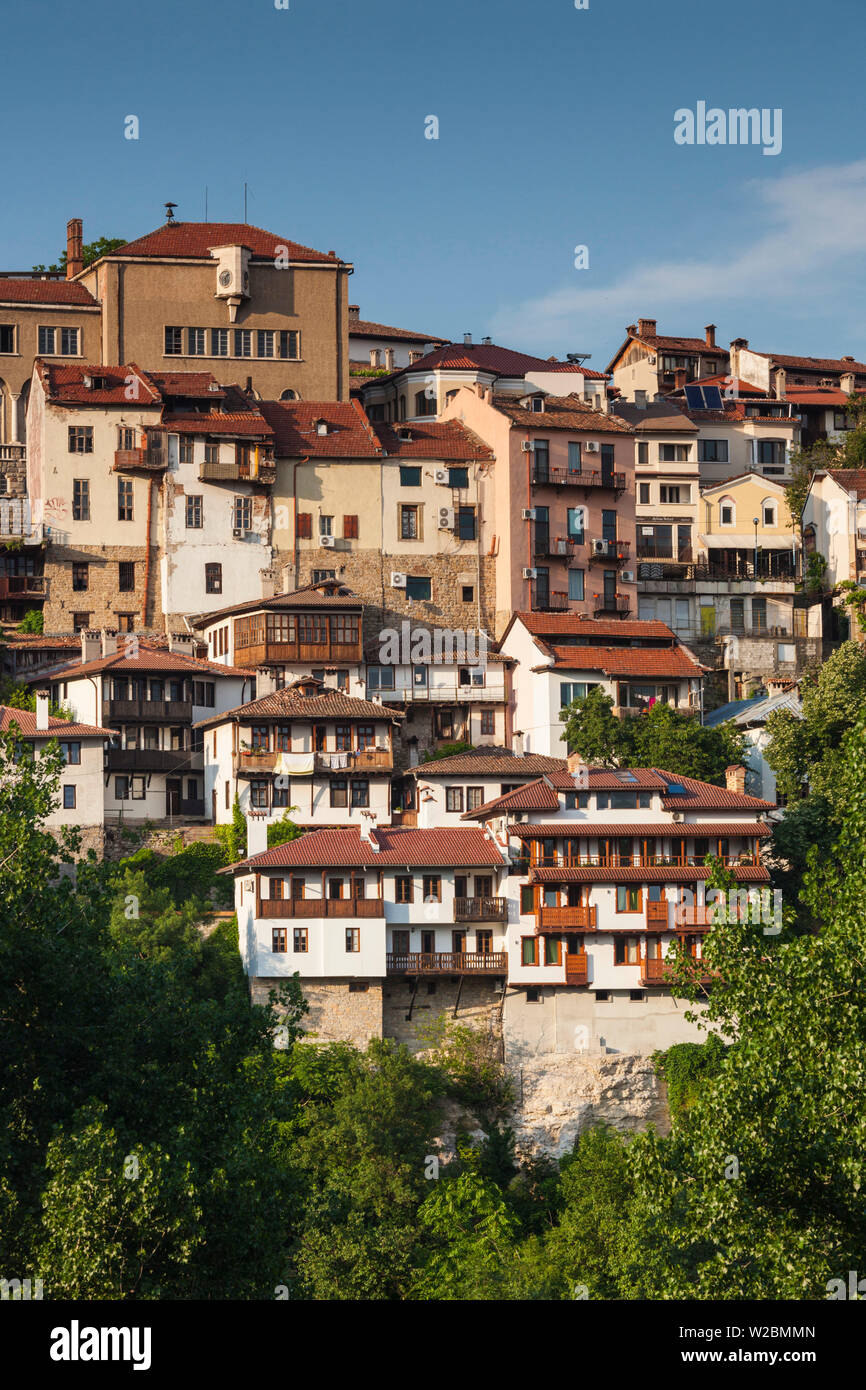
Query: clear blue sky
pixel 555 129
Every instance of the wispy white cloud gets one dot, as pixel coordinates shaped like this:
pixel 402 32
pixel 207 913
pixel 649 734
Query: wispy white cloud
pixel 802 228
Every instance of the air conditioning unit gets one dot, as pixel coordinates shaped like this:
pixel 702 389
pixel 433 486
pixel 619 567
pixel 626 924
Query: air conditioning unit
pixel 530 574
pixel 628 576
pixel 446 518
pixel 441 475
pixel 528 514
pixel 398 580
pixel 328 542
pixel 599 547
pixel 528 447
pixel 592 446
pixel 676 815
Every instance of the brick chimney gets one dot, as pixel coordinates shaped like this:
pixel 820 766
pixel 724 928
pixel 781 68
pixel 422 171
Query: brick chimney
pixel 735 778
pixel 43 700
pixel 354 312
pixel 74 247
pixel 710 334
pixel 180 642
pixel 646 328
pixel 578 770
pixel 679 378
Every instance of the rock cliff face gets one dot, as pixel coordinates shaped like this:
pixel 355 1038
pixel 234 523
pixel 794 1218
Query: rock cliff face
pixel 559 1096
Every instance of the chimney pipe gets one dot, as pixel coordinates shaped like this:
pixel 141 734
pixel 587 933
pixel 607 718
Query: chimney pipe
pixel 43 700
pixel 735 778
pixel 74 245
pixel 354 312
pixel 710 332
pixel 646 328
pixel 108 641
pixel 467 339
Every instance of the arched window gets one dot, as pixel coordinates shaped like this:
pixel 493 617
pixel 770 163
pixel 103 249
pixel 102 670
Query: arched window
pixel 288 395
pixel 769 512
pixel 727 512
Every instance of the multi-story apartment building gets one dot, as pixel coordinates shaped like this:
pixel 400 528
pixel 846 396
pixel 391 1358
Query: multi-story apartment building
pixel 647 363
pixel 834 523
pixel 667 489
pixel 424 387
pixel 446 788
pixel 146 483
pixel 774 372
pixel 602 880
pixel 153 700
pixel 561 657
pixel 564 502
pixel 368 916
pixel 754 433
pixel 324 756
pixel 80 795
pixel 418 540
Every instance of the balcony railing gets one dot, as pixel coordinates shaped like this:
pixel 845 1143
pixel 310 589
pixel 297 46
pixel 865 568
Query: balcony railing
pixel 148 759
pixel 268 653
pixel 356 760
pixel 611 603
pixel 566 548
pixel 320 907
pixel 656 970
pixel 448 963
pixel 231 472
pixel 480 909
pixel 608 552
pixel 162 710
pixel 22 586
pixel 12 453
pixel 130 460
pixel 556 476
pixel 657 915
pixel 576 968
pixel 581 917
pixel 544 600
pixel 640 861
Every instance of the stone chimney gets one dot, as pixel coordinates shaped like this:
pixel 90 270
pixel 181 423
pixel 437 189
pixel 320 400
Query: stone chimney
pixel 108 642
pixel 180 642
pixel 780 379
pixel 375 358
pixel 578 770
pixel 354 312
pixel 646 328
pixel 735 778
pixel 74 247
pixel 710 335
pixel 389 359
pixel 91 646
pixel 846 381
pixel 43 700
pixel 257 835
pixel 679 378
pixel 738 345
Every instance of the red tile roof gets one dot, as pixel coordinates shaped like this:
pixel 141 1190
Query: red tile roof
pixel 190 385
pixel 488 357
pixel 703 796
pixel 57 728
pixel 421 439
pixel 149 659
pixel 664 343
pixel 452 847
pixel 247 424
pixel 490 762
pixel 534 796
pixel 851 479
pixel 350 434
pixel 366 328
pixel 591 829
pixel 290 703
pixel 59 292
pixel 743 873
pixel 195 240
pixel 562 413
pixel 309 597
pixel 64 384
pixel 627 661
pixel 815 364
pixel 574 624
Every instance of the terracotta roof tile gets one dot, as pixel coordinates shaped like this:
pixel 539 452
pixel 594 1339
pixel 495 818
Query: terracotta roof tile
pixel 627 661
pixel 149 658
pixel 349 435
pixel 575 625
pixel 562 413
pixel 59 292
pixel 851 479
pixel 366 328
pixel 490 762
pixel 57 728
pixel 587 829
pixel 446 848
pixel 490 358
pixel 64 383
pixel 309 597
pixel 195 240
pixel 290 703
pixel 421 439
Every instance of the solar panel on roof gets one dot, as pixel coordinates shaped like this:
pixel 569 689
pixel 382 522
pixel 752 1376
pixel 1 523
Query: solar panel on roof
pixel 676 789
pixel 713 398
pixel 694 397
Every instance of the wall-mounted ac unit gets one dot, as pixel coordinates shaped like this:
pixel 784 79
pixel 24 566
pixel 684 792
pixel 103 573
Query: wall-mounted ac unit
pixel 530 574
pixel 441 475
pixel 527 446
pixel 446 518
pixel 676 815
pixel 592 446
pixel 599 547
pixel 328 542
pixel 628 576
pixel 398 580
pixel 528 514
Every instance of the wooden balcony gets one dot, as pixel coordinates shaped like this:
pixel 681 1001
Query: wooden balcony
pixel 246 763
pixel 657 916
pixel 140 460
pixel 694 915
pixel 320 907
pixel 640 861
pixel 655 970
pixel 448 963
pixel 579 918
pixel 570 477
pixel 605 552
pixel 22 586
pixel 162 711
pixel 356 760
pixel 149 759
pixel 480 909
pixel 576 968
pixel 231 472
pixel 283 653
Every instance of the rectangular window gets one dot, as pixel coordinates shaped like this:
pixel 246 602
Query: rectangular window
pixel 80 622
pixel 527 898
pixel 81 499
pixel 264 343
pixel 432 888
pixel 528 950
pixel 47 338
pixel 71 752
pixel 80 439
pixel 410 477
pixel 643 493
pixel 7 337
pixel 417 586
pixel 195 342
pixel 194 512
pixel 403 889
pixel 80 576
pixel 628 897
pixel 326 525
pixel 575 585
pixel 353 939
pixel 350 528
pixel 290 344
pixel 574 456
pixel 474 797
pixel 126 576
pixel 713 450
pixel 124 499
pixel 643 452
pixel 488 724
pixel 360 792
pixel 305 525
pixel 466 523
pixel 121 788
pixel 674 495
pixel 279 942
pixel 68 798
pixel 674 453
pixel 626 950
pixel 575 524
pixel 339 792
pixel 409 522
pixel 219 342
pixel 453 798
pixel 300 941
pixel 174 342
pixel 243 342
pixel 69 342
pixel 458 477
pixel 213 579
pixel 259 795
pixel 242 517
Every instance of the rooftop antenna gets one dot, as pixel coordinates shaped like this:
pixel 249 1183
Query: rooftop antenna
pixel 169 211
pixel 578 356
pixel 245 198
pixel 205 202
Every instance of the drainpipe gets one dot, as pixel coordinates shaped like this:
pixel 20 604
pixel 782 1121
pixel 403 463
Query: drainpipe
pixel 147 554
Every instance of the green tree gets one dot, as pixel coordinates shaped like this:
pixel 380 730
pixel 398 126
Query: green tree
pixel 91 251
pixel 806 753
pixel 662 737
pixel 33 621
pixel 284 830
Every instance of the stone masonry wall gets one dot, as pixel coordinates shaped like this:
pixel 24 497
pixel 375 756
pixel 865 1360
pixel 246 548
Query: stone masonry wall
pixel 336 1013
pixel 102 598
pixel 479 1007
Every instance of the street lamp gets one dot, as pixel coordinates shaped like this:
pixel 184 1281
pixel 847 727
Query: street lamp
pixel 755 520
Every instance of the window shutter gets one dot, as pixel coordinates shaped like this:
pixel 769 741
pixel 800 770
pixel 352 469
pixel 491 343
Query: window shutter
pixel 350 528
pixel 305 525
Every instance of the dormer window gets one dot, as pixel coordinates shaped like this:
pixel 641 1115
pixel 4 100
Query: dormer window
pixel 537 404
pixel 321 426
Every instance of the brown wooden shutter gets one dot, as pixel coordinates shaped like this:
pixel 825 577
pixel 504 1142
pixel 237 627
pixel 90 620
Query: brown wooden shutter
pixel 305 525
pixel 350 528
